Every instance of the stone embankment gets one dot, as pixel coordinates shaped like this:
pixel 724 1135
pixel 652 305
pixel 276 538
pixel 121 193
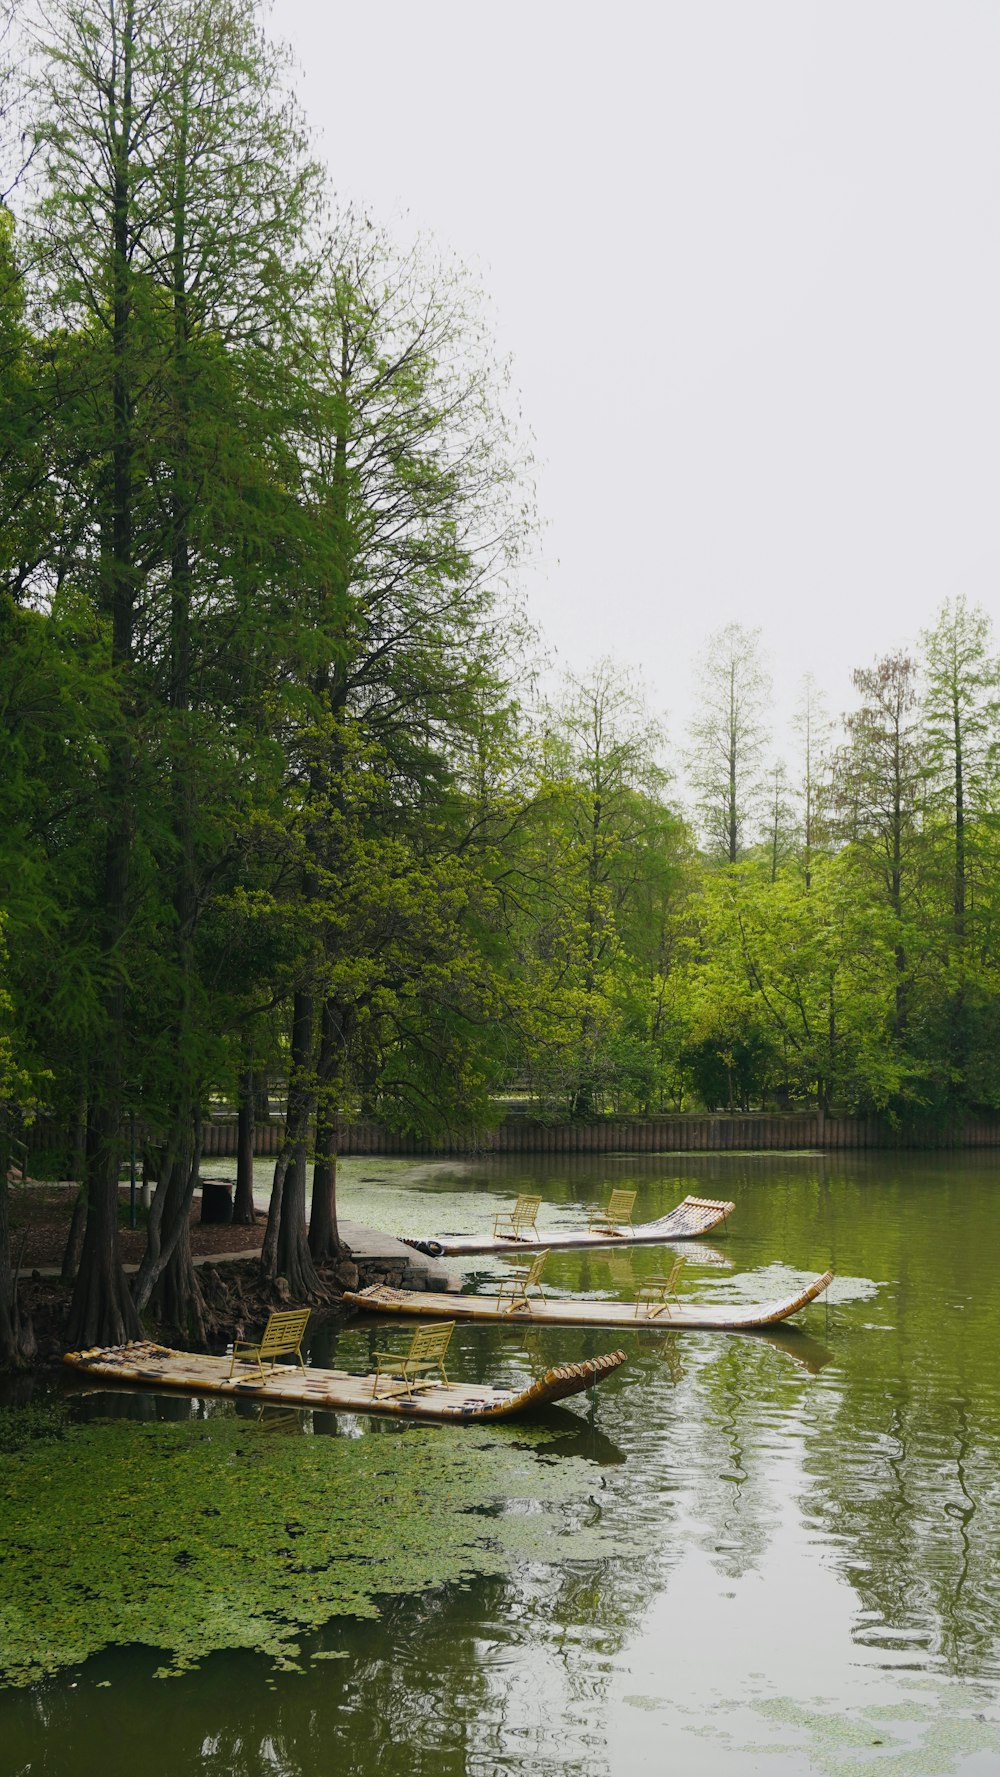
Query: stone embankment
pixel 381 1259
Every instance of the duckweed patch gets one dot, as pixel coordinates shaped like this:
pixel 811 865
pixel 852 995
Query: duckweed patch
pixel 931 1740
pixel 202 1536
pixel 20 1426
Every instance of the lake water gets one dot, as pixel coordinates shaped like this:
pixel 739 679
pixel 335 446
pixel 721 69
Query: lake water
pixel 760 1556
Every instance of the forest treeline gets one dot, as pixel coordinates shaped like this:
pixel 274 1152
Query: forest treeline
pixel 281 804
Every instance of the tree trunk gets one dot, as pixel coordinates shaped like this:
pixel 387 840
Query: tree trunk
pixel 176 1293
pixel 153 1258
pixel 959 884
pixel 167 1278
pixel 732 809
pixel 243 1205
pixel 102 1312
pixel 287 1254
pixel 324 1240
pixel 74 1239
pixel 9 1352
pixel 269 1250
pixel 958 1031
pixel 168 1233
pixel 901 1016
pixel 294 1260
pixel 901 1012
pixel 261 1097
pixel 178 1299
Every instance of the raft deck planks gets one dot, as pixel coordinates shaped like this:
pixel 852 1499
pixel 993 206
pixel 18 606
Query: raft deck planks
pixel 155 1366
pixel 563 1311
pixel 696 1215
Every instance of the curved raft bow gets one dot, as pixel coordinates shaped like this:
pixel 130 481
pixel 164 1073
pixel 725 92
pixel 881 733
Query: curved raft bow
pixel 155 1366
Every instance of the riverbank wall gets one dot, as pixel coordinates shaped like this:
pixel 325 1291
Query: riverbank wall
pixel 638 1135
pixel 753 1132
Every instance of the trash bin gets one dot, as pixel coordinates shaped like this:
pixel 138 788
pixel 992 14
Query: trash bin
pixel 216 1200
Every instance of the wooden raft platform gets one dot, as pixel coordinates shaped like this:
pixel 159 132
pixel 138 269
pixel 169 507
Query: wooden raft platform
pixel 334 1391
pixel 564 1311
pixel 696 1215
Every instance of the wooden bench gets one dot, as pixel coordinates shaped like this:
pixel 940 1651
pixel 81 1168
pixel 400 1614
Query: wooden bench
pixel 518 1223
pixel 426 1352
pixel 617 1215
pixel 657 1293
pixel 519 1281
pixel 281 1337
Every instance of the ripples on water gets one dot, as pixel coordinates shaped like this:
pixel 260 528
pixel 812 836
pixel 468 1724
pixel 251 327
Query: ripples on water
pixel 808 1524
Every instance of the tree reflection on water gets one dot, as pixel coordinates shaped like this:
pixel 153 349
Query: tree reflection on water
pixel 864 1449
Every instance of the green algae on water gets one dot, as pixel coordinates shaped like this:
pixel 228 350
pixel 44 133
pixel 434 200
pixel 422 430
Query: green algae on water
pixel 209 1535
pixel 20 1425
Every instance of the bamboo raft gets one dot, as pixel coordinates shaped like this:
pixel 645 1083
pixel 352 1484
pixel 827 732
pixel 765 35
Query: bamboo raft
pixel 337 1391
pixel 564 1311
pixel 696 1215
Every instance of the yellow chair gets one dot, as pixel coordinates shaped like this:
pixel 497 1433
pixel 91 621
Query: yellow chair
pixel 426 1352
pixel 657 1293
pixel 282 1336
pixel 519 1281
pixel 617 1215
pixel 518 1223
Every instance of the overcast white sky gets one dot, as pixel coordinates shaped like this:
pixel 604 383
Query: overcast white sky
pixel 745 257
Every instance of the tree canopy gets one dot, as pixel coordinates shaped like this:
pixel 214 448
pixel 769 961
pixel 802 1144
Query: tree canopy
pixel 282 807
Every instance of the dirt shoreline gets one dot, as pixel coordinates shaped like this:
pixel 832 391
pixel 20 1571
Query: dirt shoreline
pixel 40 1216
pixel 237 1298
pixel 237 1301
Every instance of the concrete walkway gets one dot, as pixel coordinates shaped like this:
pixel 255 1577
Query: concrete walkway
pixel 367 1247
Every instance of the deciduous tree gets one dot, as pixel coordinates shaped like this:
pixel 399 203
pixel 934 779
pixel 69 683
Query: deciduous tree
pixel 726 761
pixel 880 781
